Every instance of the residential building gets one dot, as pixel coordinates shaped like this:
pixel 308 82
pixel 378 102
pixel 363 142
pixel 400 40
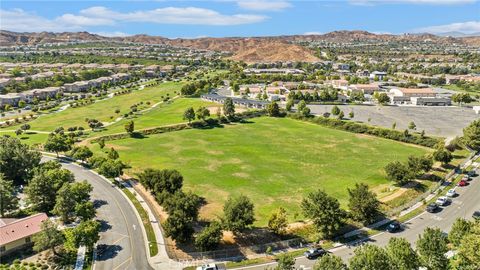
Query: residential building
pixel 17 234
pixel 378 74
pixel 367 89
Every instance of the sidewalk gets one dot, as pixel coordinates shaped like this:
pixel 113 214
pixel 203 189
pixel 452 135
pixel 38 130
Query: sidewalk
pixel 80 258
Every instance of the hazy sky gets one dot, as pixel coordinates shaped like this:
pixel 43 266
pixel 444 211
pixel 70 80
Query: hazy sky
pixel 240 18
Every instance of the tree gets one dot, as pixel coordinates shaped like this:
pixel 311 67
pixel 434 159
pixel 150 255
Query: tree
pixel 398 172
pixel 324 211
pixel 187 202
pixel 179 226
pixel 85 211
pixel 111 168
pixel 42 189
pixel 351 114
pixel 335 110
pixel 101 143
pixel 94 123
pixel 363 204
pixel 471 135
pixel 301 106
pixel 383 98
pixel 113 154
pixel 209 238
pixel 289 105
pixel 48 238
pixel 419 165
pixel 228 108
pixel 25 127
pixel 341 115
pixel 87 233
pixel 159 181
pixel 401 254
pixel 17 160
pixel 412 125
pixel 81 153
pixel 18 132
pixel 468 251
pixel 285 262
pixel 64 203
pixel 278 222
pixel 202 113
pixel 442 155
pixel 130 127
pixel 273 109
pixel 330 262
pixel 431 247
pixel 189 114
pixel 462 98
pixel 370 257
pixel 239 213
pixel 58 142
pixel 460 228
pixel 8 200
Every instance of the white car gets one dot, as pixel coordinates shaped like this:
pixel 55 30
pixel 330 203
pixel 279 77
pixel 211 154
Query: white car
pixel 442 201
pixel 451 193
pixel 211 266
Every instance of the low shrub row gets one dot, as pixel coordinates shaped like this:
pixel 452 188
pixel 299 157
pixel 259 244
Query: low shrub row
pixel 375 131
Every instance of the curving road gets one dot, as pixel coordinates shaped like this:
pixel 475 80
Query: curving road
pixel 121 244
pixel 466 202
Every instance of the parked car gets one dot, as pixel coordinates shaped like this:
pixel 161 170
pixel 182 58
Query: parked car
pixel 212 266
pixel 451 193
pixel 432 208
pixel 315 253
pixel 476 215
pixel 472 173
pixel 442 201
pixel 462 183
pixel 394 226
pixel 466 178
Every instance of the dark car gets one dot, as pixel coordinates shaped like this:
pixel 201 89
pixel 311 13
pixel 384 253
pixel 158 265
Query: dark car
pixel 394 226
pixel 315 253
pixel 472 173
pixel 432 208
pixel 476 215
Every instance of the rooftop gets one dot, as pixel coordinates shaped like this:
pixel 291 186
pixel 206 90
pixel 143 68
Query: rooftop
pixel 21 228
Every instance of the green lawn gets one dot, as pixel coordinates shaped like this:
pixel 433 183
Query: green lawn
pixel 274 161
pixel 103 110
pixel 164 114
pixel 30 138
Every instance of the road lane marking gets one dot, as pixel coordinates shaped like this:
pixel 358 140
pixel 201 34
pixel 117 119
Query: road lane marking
pixel 129 259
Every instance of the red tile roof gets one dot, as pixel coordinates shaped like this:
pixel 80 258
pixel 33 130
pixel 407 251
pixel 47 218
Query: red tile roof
pixel 21 228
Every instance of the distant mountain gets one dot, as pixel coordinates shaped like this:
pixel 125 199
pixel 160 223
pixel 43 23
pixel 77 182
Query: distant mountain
pixel 252 49
pixel 458 34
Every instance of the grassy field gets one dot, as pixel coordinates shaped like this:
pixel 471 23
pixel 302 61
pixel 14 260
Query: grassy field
pixel 273 161
pixel 164 114
pixel 103 110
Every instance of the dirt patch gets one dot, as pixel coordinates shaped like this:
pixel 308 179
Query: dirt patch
pixel 215 152
pixel 399 192
pixel 241 175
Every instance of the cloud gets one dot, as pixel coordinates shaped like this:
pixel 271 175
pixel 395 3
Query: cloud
pixel 111 34
pixel 463 27
pixel 420 2
pixel 312 33
pixel 264 5
pixel 24 21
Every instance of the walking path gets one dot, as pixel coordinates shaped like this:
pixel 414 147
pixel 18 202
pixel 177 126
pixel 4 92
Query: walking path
pixel 80 258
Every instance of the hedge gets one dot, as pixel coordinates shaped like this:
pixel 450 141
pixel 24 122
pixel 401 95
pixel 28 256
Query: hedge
pixel 370 130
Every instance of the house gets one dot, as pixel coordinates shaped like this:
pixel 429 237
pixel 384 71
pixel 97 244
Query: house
pixel 378 74
pixel 81 86
pixel 341 84
pixel 431 101
pixel 4 82
pixel 412 92
pixel 17 234
pixel 367 89
pixel 41 94
pixel 11 99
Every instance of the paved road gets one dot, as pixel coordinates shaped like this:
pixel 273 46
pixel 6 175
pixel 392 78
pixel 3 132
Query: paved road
pixel 121 244
pixel 463 205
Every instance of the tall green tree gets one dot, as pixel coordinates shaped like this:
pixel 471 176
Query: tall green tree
pixel 442 155
pixel 8 200
pixel 335 110
pixel 202 113
pixel 82 153
pixel 363 204
pixel 42 189
pixel 471 135
pixel 383 99
pixel 179 226
pixel 209 238
pixel 48 238
pixel 324 211
pixel 370 257
pixel 58 142
pixel 273 109
pixel 113 154
pixel 130 127
pixel 432 246
pixel 229 108
pixel 398 172
pixel 238 213
pixel 401 254
pixel 17 160
pixel 87 233
pixel 189 114
pixel 285 262
pixel 278 222
pixel 460 228
pixel 330 262
pixel 468 251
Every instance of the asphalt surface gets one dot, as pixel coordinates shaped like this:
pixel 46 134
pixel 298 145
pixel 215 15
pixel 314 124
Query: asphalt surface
pixel 121 244
pixel 463 205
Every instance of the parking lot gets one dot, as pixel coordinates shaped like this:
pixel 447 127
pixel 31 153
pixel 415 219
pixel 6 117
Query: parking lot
pixel 446 122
